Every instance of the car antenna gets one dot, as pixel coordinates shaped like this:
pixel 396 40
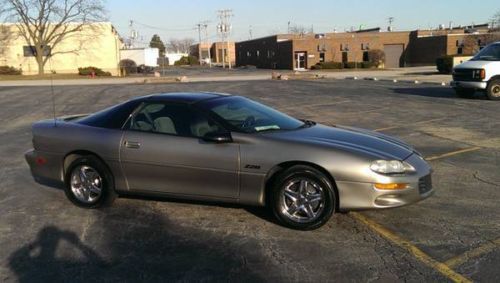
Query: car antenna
pixel 52 89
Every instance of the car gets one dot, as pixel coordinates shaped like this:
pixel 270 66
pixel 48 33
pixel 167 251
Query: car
pixel 481 73
pixel 225 148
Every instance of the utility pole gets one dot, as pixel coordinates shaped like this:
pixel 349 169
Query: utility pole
pixel 199 25
pixel 250 31
pixel 133 34
pixel 288 29
pixel 205 26
pixel 202 26
pixel 390 20
pixel 224 29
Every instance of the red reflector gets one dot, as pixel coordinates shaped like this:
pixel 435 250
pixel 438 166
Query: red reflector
pixel 40 160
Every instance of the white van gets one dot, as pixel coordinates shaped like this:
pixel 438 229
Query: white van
pixel 482 73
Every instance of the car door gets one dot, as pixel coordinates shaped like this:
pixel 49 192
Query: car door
pixel 162 151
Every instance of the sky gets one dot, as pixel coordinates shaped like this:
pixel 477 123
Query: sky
pixel 258 18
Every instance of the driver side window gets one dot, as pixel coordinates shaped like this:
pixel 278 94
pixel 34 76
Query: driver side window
pixel 172 119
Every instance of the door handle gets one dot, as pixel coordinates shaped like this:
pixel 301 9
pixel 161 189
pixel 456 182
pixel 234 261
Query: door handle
pixel 131 144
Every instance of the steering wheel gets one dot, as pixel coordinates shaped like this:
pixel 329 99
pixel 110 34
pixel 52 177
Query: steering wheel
pixel 249 121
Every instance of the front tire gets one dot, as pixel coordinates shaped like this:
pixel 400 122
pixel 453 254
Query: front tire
pixel 465 92
pixel 493 89
pixel 89 183
pixel 303 198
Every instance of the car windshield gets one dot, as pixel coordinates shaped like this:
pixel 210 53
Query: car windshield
pixel 244 115
pixel 489 53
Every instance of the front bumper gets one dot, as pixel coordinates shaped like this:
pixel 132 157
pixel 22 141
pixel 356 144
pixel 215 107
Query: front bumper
pixel 358 195
pixel 466 84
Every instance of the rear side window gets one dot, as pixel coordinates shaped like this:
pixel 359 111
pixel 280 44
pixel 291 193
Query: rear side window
pixel 111 118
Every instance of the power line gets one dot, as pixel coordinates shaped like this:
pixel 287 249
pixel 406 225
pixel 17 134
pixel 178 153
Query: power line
pixel 162 28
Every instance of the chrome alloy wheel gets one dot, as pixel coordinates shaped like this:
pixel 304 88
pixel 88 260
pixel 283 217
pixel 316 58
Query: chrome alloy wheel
pixel 302 200
pixel 495 90
pixel 86 184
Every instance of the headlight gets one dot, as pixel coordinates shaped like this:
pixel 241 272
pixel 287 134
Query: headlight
pixel 391 167
pixel 478 74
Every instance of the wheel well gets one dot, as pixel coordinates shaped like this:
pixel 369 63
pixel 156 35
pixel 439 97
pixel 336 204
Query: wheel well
pixel 276 170
pixel 496 77
pixel 72 156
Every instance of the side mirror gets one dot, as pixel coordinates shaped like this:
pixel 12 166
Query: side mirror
pixel 218 137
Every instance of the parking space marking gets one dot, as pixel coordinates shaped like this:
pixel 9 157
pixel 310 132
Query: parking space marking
pixel 474 253
pixel 409 124
pixel 474 148
pixel 412 249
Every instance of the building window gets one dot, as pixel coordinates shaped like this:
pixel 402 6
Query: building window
pixel 257 53
pixel 30 51
pixel 322 57
pixel 460 50
pixel 249 54
pixel 341 47
pixel 365 56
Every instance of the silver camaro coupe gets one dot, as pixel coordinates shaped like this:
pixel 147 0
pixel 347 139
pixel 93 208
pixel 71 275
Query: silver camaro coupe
pixel 218 147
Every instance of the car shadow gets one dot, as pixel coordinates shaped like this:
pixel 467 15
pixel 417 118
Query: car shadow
pixel 129 243
pixel 261 212
pixel 439 92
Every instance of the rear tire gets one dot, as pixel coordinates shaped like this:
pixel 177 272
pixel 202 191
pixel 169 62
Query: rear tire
pixel 493 89
pixel 302 198
pixel 89 183
pixel 465 92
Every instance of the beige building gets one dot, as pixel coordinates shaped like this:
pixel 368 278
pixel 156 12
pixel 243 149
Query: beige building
pixel 97 45
pixel 214 51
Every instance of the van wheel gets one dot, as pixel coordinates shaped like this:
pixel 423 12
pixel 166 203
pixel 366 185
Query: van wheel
pixel 493 90
pixel 465 92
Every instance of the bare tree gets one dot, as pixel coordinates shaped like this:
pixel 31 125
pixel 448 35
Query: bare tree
pixel 473 43
pixel 300 30
pixel 45 23
pixel 495 20
pixel 5 37
pixel 180 45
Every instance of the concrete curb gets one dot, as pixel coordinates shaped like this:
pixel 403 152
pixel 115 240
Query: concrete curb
pixel 399 81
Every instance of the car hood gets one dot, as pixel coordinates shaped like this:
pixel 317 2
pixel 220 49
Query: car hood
pixel 479 64
pixel 355 138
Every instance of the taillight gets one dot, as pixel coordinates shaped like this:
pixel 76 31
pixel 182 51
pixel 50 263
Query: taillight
pixel 40 160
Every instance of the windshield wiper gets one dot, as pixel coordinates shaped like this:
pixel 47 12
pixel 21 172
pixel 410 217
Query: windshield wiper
pixel 307 123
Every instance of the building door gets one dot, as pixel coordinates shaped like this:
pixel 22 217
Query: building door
pixel 393 55
pixel 344 59
pixel 300 60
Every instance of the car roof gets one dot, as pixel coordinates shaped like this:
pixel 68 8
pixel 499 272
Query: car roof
pixel 183 97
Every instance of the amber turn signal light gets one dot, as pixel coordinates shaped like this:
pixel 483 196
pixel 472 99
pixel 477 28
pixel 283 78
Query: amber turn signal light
pixel 391 186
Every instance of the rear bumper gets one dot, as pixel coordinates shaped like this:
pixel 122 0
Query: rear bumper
pixel 45 168
pixel 465 84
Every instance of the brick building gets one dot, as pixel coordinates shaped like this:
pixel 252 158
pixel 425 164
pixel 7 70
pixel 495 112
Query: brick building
pixel 401 48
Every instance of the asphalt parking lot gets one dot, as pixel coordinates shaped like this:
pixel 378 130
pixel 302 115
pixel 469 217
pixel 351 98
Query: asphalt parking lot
pixel 452 236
